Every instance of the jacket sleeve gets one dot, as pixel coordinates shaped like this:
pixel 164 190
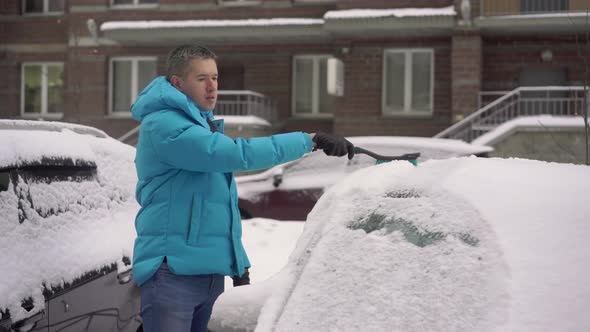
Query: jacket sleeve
pixel 192 147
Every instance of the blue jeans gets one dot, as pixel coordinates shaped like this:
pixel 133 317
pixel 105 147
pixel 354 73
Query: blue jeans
pixel 171 302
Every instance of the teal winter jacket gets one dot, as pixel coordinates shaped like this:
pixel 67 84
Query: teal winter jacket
pixel 189 205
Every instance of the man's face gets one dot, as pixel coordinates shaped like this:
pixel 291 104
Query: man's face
pixel 200 83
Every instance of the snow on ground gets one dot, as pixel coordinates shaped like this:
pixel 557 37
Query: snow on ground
pixel 91 225
pixel 268 244
pixel 465 244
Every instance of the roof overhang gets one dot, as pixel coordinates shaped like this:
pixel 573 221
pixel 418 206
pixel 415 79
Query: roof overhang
pixel 214 31
pixel 553 23
pixel 365 23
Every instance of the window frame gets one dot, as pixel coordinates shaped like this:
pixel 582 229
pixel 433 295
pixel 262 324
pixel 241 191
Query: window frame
pixel 134 81
pixel 315 108
pixel 135 5
pixel 45 9
pixel 408 80
pixel 44 88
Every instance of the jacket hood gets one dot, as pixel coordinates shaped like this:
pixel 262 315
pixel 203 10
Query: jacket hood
pixel 161 95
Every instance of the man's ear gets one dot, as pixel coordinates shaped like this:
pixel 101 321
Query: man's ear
pixel 176 81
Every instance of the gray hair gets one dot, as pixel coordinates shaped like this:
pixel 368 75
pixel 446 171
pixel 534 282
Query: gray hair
pixel 179 59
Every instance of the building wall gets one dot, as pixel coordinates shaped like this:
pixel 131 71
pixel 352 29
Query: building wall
pixel 486 63
pixel 566 146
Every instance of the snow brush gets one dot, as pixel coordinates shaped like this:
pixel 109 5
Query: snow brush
pixel 380 159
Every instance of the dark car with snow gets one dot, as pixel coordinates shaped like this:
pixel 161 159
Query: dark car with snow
pixel 289 191
pixel 66 231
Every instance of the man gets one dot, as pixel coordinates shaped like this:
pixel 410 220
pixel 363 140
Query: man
pixel 188 228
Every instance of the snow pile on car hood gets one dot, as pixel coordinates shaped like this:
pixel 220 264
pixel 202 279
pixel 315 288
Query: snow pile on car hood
pixel 465 244
pixel 94 230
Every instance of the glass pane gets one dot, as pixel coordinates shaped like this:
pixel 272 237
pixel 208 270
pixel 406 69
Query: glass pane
pixel 326 100
pixel 149 1
pixel 146 73
pixel 33 89
pixel 122 2
pixel 395 80
pixel 55 102
pixel 303 85
pixel 56 5
pixel 421 83
pixel 121 85
pixel 34 6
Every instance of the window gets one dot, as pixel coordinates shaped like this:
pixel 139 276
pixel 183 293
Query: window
pixel 134 2
pixel 408 77
pixel 42 88
pixel 536 6
pixel 43 6
pixel 310 94
pixel 129 76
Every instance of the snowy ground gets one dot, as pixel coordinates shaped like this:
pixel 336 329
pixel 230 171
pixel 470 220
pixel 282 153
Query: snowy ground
pixel 268 244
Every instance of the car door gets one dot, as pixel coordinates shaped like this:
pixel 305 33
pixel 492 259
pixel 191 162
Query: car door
pixel 100 301
pixel 103 300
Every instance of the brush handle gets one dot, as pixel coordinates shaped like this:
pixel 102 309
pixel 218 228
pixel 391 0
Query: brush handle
pixel 407 156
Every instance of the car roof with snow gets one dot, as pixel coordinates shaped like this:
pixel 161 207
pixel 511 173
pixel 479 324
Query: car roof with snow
pixel 30 143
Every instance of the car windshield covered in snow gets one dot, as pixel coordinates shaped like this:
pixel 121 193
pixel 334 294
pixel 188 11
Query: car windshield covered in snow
pixel 67 206
pixel 463 244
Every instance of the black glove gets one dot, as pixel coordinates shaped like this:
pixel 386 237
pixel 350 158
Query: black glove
pixel 243 280
pixel 333 145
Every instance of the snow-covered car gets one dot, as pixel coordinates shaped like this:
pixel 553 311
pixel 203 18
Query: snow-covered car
pixel 289 191
pixel 462 244
pixel 67 210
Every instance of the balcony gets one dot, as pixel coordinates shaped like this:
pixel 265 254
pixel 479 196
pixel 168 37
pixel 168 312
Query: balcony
pixel 232 103
pixel 525 17
pixel 531 7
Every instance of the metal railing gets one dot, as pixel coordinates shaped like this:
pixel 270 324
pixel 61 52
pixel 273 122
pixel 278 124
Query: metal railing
pixel 245 102
pixel 229 102
pixel 525 7
pixel 522 101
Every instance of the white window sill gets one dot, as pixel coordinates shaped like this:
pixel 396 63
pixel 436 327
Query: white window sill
pixel 248 3
pixel 119 115
pixel 39 116
pixel 409 114
pixel 135 7
pixel 43 14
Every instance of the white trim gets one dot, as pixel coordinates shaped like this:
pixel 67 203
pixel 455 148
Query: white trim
pixel 239 3
pixel 44 93
pixel 45 9
pixel 408 80
pixel 133 93
pixel 135 5
pixel 315 92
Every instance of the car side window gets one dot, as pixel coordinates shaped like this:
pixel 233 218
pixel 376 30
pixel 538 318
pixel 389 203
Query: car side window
pixel 9 203
pixel 52 190
pixel 4 180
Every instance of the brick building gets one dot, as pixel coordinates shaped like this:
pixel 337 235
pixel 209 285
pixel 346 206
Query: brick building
pixel 411 67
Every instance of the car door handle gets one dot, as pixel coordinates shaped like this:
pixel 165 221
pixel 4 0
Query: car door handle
pixel 125 276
